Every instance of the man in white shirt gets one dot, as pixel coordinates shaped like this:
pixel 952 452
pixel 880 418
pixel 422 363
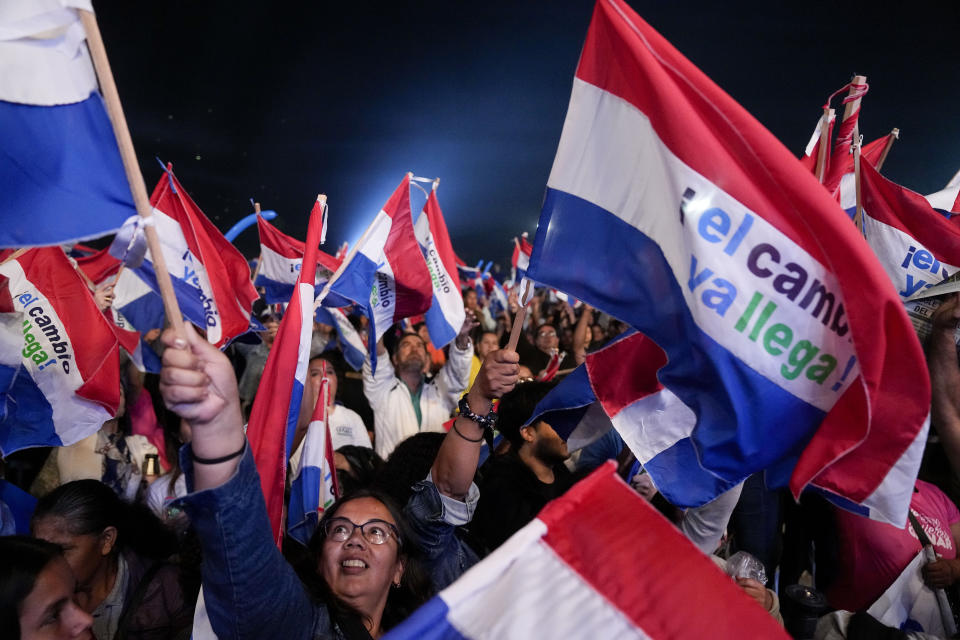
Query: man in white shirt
pixel 403 401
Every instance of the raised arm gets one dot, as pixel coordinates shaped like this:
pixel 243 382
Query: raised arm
pixel 945 379
pixel 198 384
pixel 456 462
pixel 376 386
pixel 226 505
pixel 455 374
pixel 580 334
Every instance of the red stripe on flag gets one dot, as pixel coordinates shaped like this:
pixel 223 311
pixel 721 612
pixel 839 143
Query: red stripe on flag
pixel 631 555
pixel 99 266
pixel 88 331
pixel 414 289
pixel 441 238
pixel 870 152
pixel 290 247
pixel 911 213
pixel 636 354
pixel 700 123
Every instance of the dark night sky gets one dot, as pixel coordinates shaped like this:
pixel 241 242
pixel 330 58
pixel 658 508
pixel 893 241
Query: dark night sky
pixel 279 101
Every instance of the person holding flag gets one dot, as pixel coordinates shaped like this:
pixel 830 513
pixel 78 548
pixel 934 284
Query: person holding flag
pixel 366 552
pixel 386 274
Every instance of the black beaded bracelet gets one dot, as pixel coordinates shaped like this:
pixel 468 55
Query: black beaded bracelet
pixel 230 456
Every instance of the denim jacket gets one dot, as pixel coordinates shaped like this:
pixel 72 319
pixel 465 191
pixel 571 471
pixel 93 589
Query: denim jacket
pixel 434 518
pixel 250 590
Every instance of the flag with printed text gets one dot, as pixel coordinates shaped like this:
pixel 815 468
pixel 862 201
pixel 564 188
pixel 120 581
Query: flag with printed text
pixel 671 208
pixel 59 365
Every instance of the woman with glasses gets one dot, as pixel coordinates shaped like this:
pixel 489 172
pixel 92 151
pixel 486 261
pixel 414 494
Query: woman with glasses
pixel 366 553
pixel 367 564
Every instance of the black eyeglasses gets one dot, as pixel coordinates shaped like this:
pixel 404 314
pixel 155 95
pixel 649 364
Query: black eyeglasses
pixel 373 531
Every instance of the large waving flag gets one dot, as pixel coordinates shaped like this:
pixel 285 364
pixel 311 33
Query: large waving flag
pixel 581 551
pixel 385 272
pixel 60 171
pixel 445 315
pixel 916 245
pixel 314 485
pixel 653 422
pixel 273 419
pixel 280 260
pixel 59 368
pixel 211 278
pixel 671 208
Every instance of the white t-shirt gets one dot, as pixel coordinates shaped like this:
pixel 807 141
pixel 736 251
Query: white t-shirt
pixel 346 427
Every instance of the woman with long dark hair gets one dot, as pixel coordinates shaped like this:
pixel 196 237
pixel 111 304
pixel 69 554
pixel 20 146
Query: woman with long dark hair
pixel 366 551
pixel 350 573
pixel 118 553
pixel 36 593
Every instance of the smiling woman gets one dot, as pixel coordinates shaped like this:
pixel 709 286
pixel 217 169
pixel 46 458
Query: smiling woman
pixel 37 593
pixel 364 572
pixel 367 560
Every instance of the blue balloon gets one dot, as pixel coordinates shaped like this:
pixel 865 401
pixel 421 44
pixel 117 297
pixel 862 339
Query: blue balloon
pixel 246 222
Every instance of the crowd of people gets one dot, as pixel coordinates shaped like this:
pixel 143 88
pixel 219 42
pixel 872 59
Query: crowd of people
pixel 438 464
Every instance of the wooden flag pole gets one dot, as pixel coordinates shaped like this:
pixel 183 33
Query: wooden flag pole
pixel 858 218
pixel 894 135
pixel 822 156
pixel 853 105
pixel 518 320
pixel 13 256
pixel 135 179
pixel 850 109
